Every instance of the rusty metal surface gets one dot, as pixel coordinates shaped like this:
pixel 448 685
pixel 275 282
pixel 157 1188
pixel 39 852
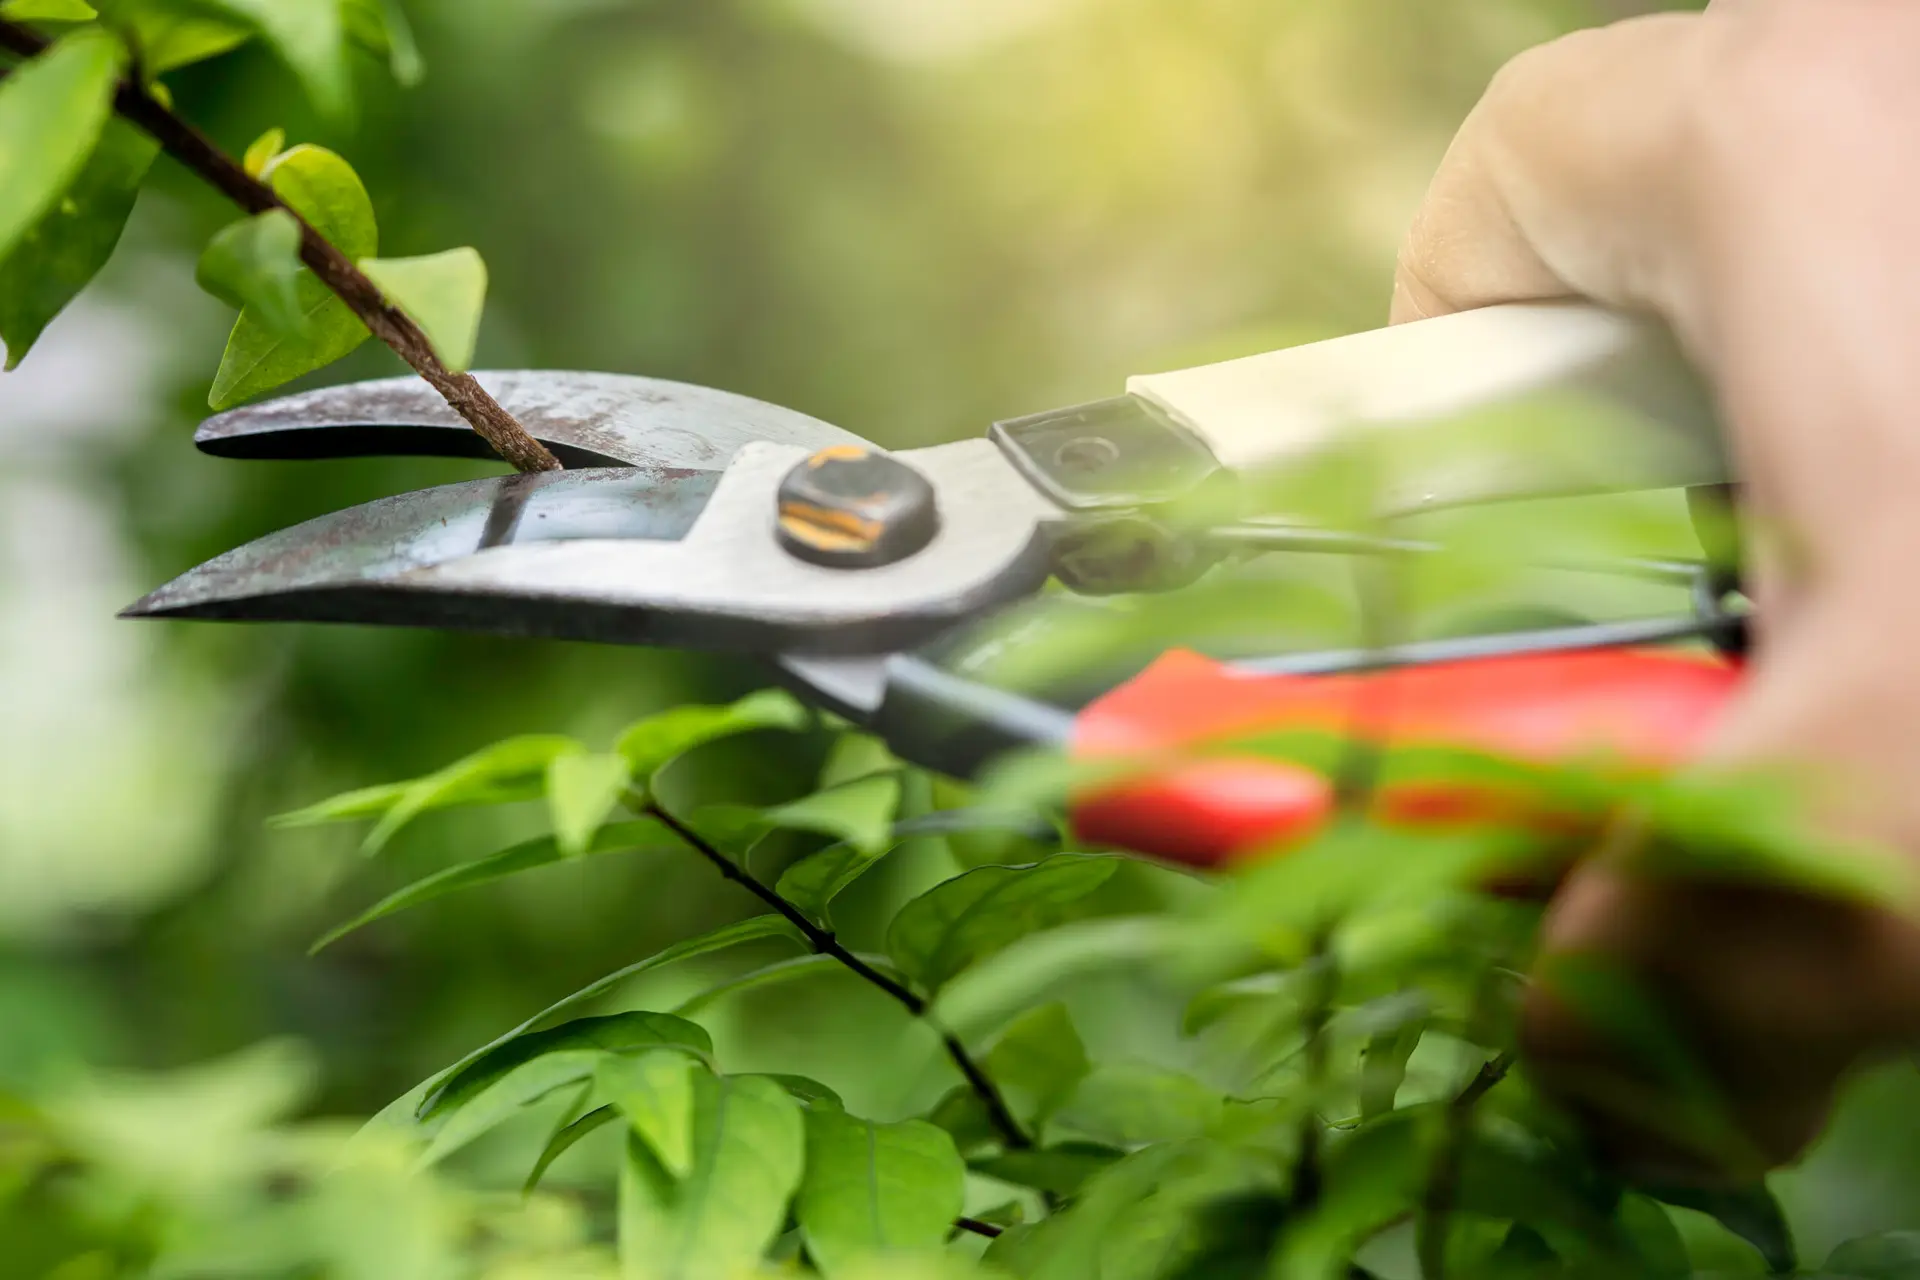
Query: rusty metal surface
pixel 587 419
pixel 382 540
pixel 439 558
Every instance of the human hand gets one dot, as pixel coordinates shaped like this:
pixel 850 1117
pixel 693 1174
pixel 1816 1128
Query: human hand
pixel 1749 174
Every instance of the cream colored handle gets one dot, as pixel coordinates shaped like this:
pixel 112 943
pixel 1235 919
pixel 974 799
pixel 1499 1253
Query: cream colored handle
pixel 1581 399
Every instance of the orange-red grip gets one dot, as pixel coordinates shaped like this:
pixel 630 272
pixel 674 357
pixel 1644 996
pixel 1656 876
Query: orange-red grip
pixel 1639 708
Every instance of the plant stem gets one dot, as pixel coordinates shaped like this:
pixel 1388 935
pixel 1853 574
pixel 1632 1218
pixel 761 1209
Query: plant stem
pixel 1307 1177
pixel 1443 1187
pixel 979 1228
pixel 387 322
pixel 825 943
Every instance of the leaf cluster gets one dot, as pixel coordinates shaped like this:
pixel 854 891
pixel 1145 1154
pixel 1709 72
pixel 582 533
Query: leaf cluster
pixel 71 171
pixel 1345 1074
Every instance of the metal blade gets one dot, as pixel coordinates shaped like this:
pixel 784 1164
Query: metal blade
pixel 671 558
pixel 322 570
pixel 587 419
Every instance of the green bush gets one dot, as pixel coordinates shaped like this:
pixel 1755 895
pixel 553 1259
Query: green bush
pixel 977 1047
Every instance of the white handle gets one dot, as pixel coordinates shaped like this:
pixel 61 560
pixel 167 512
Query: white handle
pixel 1577 398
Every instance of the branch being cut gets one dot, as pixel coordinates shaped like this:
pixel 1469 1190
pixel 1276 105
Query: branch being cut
pixel 387 322
pixel 999 1114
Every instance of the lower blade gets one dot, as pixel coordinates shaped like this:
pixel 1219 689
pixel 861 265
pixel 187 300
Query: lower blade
pixel 342 567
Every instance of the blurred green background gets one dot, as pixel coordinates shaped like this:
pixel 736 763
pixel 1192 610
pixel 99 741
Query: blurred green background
pixel 909 217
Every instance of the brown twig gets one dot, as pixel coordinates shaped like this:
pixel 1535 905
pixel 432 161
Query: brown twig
pixel 1308 1174
pixel 387 322
pixel 1443 1187
pixel 979 1228
pixel 825 943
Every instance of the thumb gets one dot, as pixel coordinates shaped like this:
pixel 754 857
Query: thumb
pixel 1565 180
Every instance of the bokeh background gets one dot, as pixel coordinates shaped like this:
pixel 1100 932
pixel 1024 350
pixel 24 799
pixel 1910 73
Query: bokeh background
pixel 909 217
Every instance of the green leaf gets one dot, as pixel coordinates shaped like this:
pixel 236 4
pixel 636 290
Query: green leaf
pixel 1753 1213
pixel 324 190
pixel 772 975
pixel 617 1033
pixel 807 1090
pixel 526 856
pixel 1356 866
pixel 858 814
pixel 581 791
pixel 264 150
pixel 373 802
pixel 973 916
pixel 812 883
pixel 873 1189
pixel 1030 970
pixel 753 929
pixel 1130 1106
pixel 961 1113
pixel 444 293
pixel 310 38
pixel 1372 1177
pixel 381 28
pixel 655 742
pixel 53 109
pixel 255 263
pixel 563 1140
pixel 1070 1246
pixel 504 1095
pixel 1521 1255
pixel 57 257
pixel 484 773
pixel 1515 1176
pixel 1892 1256
pixel 944 1266
pixel 654 1091
pixel 1062 1169
pixel 48 11
pixel 178 1130
pixel 169 34
pixel 1384 1068
pixel 718 1221
pixel 1658 1246
pixel 1038 1061
pixel 856 755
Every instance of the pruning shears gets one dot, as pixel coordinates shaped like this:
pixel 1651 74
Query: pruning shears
pixel 878 584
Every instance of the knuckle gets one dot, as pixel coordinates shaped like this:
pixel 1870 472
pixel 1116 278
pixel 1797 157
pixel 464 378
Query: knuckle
pixel 1785 69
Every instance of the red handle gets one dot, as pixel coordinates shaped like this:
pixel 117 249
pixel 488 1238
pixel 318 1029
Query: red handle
pixel 1639 708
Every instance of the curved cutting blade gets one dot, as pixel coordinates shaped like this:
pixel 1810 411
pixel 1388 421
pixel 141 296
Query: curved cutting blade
pixel 324 570
pixel 634 556
pixel 587 419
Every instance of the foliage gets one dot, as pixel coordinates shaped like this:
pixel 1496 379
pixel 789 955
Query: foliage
pixel 1254 1074
pixel 1346 1056
pixel 70 180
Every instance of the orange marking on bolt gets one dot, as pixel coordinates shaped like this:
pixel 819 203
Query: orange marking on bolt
pixel 837 453
pixel 823 538
pixel 823 527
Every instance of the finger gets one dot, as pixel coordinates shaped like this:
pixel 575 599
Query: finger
pixel 1773 995
pixel 1564 180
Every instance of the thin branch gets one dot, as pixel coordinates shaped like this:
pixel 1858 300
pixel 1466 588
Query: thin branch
pixel 1482 1084
pixel 825 943
pixel 198 153
pixel 1308 1175
pixel 979 1228
pixel 1443 1187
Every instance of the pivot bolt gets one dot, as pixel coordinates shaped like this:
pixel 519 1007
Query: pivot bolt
pixel 848 507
